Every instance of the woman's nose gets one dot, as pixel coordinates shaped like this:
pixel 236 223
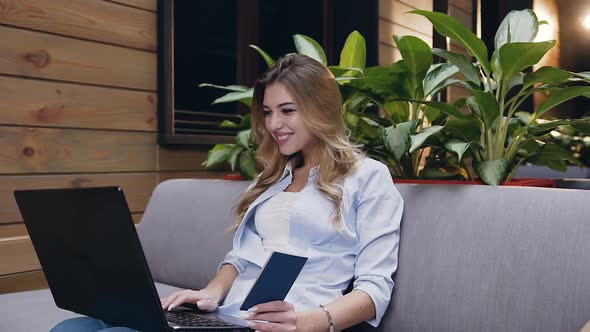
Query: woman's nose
pixel 275 122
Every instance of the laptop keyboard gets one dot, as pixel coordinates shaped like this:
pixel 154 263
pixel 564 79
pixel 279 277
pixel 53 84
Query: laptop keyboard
pixel 188 319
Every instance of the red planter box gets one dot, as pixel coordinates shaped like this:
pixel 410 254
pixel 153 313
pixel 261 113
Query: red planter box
pixel 549 183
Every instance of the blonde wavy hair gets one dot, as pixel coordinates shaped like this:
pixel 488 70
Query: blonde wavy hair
pixel 319 103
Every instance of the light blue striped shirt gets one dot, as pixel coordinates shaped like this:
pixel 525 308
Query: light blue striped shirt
pixel 365 251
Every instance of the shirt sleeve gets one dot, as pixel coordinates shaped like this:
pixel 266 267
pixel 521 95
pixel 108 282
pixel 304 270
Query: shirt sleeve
pixel 379 213
pixel 233 259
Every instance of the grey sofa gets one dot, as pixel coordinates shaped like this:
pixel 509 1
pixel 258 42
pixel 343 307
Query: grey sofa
pixel 472 258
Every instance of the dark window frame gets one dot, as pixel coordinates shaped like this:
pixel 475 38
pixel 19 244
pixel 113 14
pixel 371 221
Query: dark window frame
pixel 247 63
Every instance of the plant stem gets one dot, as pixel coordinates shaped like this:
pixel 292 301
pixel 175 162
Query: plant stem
pixel 513 171
pixel 501 124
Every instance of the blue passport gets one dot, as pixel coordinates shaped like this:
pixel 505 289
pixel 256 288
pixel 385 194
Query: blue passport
pixel 275 280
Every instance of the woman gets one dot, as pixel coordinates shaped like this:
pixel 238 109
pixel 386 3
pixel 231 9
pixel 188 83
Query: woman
pixel 318 197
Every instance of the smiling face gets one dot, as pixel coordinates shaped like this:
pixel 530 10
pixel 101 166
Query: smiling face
pixel 283 121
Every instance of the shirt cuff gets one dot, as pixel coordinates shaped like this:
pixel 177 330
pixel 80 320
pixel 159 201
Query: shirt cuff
pixel 379 298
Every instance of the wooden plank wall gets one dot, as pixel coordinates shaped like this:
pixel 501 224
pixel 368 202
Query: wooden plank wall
pixel 77 109
pixel 394 20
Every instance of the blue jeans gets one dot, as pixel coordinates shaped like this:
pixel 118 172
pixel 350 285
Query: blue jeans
pixel 87 324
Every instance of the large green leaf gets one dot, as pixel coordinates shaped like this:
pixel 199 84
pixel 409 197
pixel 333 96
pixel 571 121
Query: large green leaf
pixel 449 26
pixel 437 75
pixel 562 96
pixel 397 138
pixel 233 156
pixel 368 128
pixel 398 110
pixel 434 116
pixel 496 70
pixel 248 165
pixel 228 124
pixel 446 108
pixel 354 52
pixel 465 66
pixel 382 81
pixel 338 71
pixel 517 80
pixel 458 147
pixel 550 154
pixel 546 75
pixel 218 154
pixel 484 106
pixel 517 26
pixel 269 61
pixel 245 97
pixel 352 121
pixel 515 57
pixel 417 56
pixel 376 98
pixel 537 129
pixel 582 125
pixel 491 172
pixel 246 121
pixel 243 138
pixel 468 130
pixel 585 76
pixel 236 88
pixel 417 140
pixel 307 46
pixel 445 84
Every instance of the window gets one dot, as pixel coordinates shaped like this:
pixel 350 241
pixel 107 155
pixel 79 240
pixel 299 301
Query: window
pixel 203 41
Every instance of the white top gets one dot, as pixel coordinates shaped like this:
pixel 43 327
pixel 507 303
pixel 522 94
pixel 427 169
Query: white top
pixel 272 221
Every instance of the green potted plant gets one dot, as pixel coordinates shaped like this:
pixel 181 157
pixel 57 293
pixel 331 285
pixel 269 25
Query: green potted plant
pixel 411 122
pixel 241 155
pixel 382 106
pixel 494 132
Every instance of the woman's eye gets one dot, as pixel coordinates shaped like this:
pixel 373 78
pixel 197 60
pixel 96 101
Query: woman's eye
pixel 266 113
pixel 288 110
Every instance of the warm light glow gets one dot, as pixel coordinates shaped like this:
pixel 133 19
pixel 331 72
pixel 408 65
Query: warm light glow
pixel 546 12
pixel 586 22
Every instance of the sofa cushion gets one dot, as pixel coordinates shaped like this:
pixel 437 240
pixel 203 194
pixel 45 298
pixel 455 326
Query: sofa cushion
pixel 483 258
pixel 184 231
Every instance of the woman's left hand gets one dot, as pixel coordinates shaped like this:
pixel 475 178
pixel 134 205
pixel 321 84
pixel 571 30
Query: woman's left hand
pixel 280 315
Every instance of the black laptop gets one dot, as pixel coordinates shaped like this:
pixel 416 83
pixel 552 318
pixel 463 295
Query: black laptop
pixel 88 248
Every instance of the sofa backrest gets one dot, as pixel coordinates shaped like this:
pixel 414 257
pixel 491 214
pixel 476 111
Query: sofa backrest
pixel 482 258
pixel 472 258
pixel 184 230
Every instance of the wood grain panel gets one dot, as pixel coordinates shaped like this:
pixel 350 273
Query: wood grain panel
pixel 35 54
pixel 419 4
pixel 18 282
pixel 388 54
pixel 181 158
pixel 456 92
pixel 465 5
pixel 94 20
pixel 145 4
pixel 396 12
pixel 388 29
pixel 137 187
pixel 17 255
pixel 42 150
pixel 13 229
pixel 462 16
pixel 46 103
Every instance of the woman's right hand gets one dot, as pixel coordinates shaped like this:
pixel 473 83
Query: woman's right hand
pixel 201 298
